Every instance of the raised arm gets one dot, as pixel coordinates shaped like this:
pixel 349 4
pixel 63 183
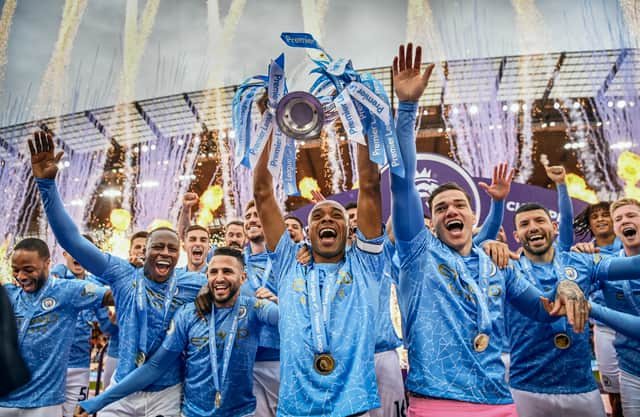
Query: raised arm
pixel 409 84
pixel 617 268
pixel 189 200
pixel 369 196
pixel 627 324
pixel 498 191
pixel 44 167
pixel 137 380
pixel 558 175
pixel 266 204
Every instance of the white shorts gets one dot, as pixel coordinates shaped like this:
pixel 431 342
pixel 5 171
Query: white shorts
pixel 607 358
pixel 630 394
pixel 164 403
pixel 266 385
pixel 51 411
pixel 390 386
pixel 77 389
pixel 532 404
pixel 110 365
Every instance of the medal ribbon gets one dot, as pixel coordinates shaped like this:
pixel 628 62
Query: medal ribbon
pixel 142 305
pixel 483 319
pixel 560 325
pixel 360 101
pixel 31 311
pixel 321 314
pixel 628 292
pixel 219 379
pixel 257 282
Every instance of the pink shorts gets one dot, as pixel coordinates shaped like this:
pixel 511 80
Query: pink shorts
pixel 431 407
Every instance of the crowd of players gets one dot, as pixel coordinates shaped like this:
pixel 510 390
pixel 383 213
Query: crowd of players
pixel 279 322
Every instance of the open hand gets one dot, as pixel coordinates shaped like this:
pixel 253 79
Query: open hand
pixel 408 82
pixel 500 182
pixel 44 163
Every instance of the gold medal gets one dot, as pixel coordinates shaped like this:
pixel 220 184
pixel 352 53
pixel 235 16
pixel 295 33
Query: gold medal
pixel 562 341
pixel 481 342
pixel 140 359
pixel 324 363
pixel 218 399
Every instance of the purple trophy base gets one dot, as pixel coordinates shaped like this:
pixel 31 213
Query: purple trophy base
pixel 300 116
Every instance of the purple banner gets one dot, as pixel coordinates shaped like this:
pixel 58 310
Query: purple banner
pixel 434 170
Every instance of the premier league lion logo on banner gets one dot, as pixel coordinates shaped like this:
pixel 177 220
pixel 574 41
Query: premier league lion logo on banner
pixel 432 171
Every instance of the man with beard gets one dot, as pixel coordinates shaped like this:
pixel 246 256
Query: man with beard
pixel 196 244
pixel 218 384
pixel 550 364
pixel 234 236
pixel 146 298
pixel 86 322
pixel 451 294
pixel 260 283
pixel 327 317
pixel 46 309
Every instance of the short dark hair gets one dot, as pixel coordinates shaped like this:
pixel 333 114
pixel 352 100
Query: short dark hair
pixel 250 204
pixel 232 222
pixel 292 217
pixel 229 251
pixel 351 205
pixel 448 186
pixel 140 234
pixel 163 228
pixel 195 227
pixel 581 221
pixel 530 207
pixel 34 244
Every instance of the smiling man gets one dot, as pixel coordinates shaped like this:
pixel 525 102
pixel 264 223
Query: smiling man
pixel 260 283
pixel 327 313
pixel 451 294
pixel 551 364
pixel 46 309
pixel 146 298
pixel 625 297
pixel 218 384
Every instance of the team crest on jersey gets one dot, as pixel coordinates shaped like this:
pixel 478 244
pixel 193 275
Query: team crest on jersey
pixel 48 303
pixel 242 312
pixel 571 273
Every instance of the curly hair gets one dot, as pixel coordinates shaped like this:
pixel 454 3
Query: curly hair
pixel 581 221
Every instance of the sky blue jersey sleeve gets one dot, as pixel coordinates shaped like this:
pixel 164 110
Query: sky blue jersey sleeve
pixel 565 235
pixel 137 380
pixel 267 312
pixel 616 268
pixel 526 297
pixel 492 223
pixel 67 233
pixel 627 324
pixel 406 204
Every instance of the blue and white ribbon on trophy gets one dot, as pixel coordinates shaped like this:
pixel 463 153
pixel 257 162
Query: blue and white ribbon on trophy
pixel 250 140
pixel 359 99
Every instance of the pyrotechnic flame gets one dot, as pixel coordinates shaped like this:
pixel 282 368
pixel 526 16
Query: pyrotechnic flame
pixel 306 185
pixel 577 188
